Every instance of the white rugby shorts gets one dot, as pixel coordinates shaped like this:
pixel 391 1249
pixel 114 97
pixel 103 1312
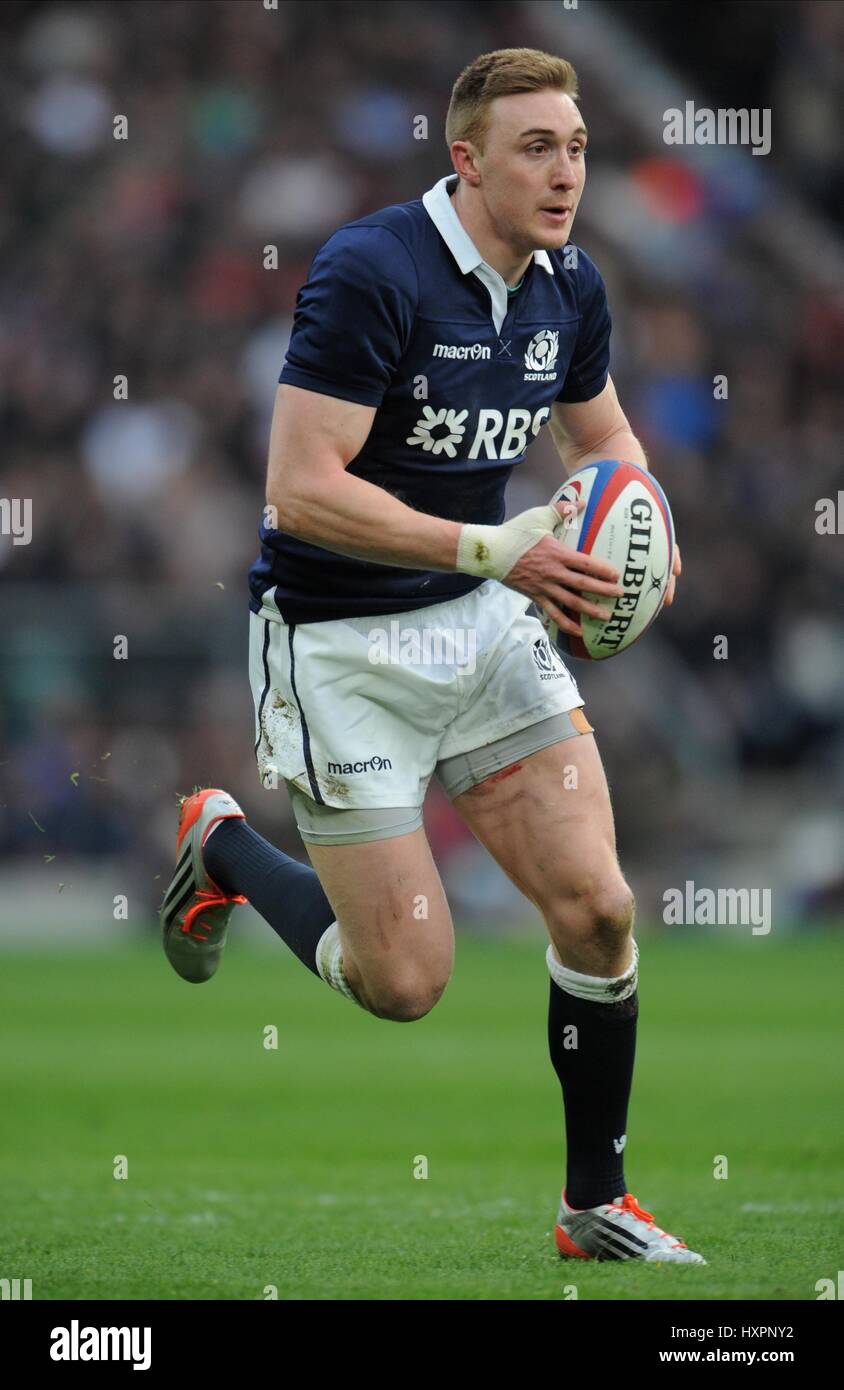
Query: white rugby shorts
pixel 357 712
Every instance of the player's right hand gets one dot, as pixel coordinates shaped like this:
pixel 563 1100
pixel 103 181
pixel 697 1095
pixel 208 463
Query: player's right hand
pixel 551 573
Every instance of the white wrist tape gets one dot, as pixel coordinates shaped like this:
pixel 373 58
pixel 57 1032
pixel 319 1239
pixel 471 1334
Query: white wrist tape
pixel 490 552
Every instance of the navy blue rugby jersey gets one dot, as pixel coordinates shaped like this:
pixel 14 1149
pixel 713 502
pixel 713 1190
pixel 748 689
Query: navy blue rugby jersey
pixel 400 311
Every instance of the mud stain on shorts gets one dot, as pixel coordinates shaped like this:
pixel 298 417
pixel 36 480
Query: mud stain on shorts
pixel 333 786
pixel 281 735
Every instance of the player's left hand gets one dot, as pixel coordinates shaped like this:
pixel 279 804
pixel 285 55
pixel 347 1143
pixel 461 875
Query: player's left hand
pixel 676 569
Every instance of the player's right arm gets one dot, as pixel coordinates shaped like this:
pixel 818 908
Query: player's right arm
pixel 315 437
pixel 313 440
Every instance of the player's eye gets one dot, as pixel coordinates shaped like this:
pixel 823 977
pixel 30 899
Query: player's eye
pixel 540 145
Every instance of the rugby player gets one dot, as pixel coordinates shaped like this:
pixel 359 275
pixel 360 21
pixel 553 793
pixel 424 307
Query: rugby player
pixel 431 342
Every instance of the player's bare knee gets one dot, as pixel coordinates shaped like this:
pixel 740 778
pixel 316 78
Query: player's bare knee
pixel 594 909
pixel 610 912
pixel 405 1002
pixel 613 913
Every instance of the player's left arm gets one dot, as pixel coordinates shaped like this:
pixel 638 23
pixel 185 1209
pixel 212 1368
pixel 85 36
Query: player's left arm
pixel 586 431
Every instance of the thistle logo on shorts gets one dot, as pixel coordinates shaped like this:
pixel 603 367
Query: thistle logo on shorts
pixel 541 355
pixel 546 660
pixel 375 764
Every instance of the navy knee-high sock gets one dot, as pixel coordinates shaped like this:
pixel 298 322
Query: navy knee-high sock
pixel 286 893
pixel 596 1077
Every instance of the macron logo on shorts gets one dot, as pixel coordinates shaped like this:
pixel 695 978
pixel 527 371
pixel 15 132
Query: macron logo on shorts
pixel 375 764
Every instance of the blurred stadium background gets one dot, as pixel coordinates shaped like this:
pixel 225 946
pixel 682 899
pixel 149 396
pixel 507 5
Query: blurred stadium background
pixel 250 127
pixel 144 256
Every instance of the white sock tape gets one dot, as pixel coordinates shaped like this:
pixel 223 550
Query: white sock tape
pixel 605 990
pixel 329 962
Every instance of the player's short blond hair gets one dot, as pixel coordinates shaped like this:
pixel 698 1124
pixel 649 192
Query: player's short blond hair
pixel 500 74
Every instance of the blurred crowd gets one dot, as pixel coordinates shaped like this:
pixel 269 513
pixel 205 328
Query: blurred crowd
pixel 144 258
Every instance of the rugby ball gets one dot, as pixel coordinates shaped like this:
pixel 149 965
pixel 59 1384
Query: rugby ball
pixel 628 522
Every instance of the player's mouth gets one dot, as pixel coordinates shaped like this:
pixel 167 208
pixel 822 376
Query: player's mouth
pixel 559 215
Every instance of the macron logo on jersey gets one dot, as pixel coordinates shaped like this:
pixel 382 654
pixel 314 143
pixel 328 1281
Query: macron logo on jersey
pixel 475 353
pixel 540 355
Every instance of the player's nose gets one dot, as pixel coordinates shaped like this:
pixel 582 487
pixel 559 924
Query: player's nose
pixel 565 173
pixel 564 182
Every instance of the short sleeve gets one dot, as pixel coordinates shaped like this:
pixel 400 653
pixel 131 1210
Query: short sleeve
pixel 590 362
pixel 354 316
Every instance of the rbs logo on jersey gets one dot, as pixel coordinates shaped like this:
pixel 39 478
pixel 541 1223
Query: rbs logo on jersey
pixel 497 435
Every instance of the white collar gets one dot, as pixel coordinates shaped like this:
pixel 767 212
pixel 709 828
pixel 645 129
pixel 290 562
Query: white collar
pixel 443 214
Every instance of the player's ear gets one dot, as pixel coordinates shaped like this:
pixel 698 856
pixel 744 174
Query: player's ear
pixel 464 156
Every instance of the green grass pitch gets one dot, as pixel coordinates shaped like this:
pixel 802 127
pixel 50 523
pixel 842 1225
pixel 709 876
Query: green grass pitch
pixel 293 1168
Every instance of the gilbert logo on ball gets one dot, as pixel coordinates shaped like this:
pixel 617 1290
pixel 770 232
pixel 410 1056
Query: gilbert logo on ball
pixel 627 521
